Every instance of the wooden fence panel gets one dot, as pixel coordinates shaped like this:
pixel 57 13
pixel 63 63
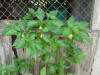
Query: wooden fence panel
pixel 84 68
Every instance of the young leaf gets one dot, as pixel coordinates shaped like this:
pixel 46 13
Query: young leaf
pixel 19 43
pixel 40 14
pixel 31 10
pixel 43 71
pixel 52 14
pixel 70 21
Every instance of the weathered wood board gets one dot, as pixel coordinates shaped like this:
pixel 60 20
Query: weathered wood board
pixel 85 67
pixel 6 53
pixel 96 65
pixel 96 16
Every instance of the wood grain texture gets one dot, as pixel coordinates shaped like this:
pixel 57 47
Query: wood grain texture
pixel 6 53
pixel 96 65
pixel 96 16
pixel 89 50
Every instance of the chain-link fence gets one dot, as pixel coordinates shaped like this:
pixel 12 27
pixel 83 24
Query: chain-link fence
pixel 80 9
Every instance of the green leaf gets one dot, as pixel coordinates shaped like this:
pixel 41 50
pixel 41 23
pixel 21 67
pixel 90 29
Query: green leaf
pixel 31 10
pixel 70 74
pixel 46 38
pixel 35 53
pixel 22 24
pixel 45 49
pixel 19 43
pixel 57 22
pixel 82 57
pixel 61 43
pixel 54 46
pixel 76 30
pixel 28 16
pixel 39 44
pixel 67 66
pixel 78 38
pixel 52 14
pixel 85 35
pixel 40 14
pixel 43 71
pixel 32 23
pixel 70 21
pixel 82 25
pixel 9 32
pixel 66 31
pixel 28 52
pixel 52 69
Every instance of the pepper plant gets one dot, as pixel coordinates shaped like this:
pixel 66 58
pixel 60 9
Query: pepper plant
pixel 52 41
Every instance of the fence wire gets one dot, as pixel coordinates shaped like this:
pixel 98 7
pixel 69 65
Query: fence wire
pixel 80 9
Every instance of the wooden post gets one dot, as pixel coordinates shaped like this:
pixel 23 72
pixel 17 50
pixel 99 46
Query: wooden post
pixel 96 16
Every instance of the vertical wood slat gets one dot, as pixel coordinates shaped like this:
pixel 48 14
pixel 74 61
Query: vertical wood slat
pixel 6 53
pixel 89 50
pixel 96 16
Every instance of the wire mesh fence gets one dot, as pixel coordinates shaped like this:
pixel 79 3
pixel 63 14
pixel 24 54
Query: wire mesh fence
pixel 80 9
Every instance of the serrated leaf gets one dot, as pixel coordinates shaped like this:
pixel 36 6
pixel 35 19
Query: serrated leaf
pixel 19 43
pixel 43 71
pixel 40 14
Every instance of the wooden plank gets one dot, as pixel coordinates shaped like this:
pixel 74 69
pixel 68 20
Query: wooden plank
pixel 96 65
pixel 6 52
pixel 89 50
pixel 96 16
